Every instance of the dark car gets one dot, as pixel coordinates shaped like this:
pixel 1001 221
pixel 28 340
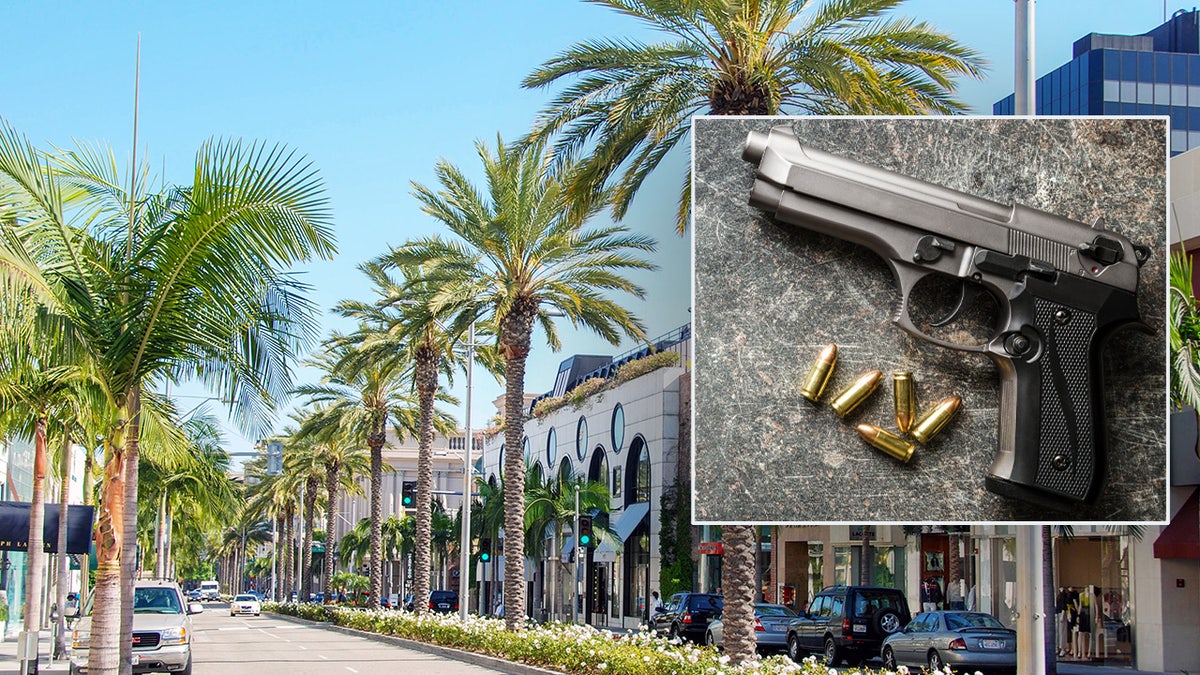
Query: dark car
pixel 770 628
pixel 687 615
pixel 967 640
pixel 847 623
pixel 443 601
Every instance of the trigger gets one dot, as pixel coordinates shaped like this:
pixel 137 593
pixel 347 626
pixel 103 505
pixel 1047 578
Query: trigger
pixel 964 290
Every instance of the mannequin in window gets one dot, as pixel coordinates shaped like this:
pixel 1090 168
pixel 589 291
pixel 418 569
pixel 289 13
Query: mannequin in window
pixel 1060 621
pixel 1083 628
pixel 931 595
pixel 1072 619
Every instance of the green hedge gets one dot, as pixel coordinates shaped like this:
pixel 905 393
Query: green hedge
pixel 575 649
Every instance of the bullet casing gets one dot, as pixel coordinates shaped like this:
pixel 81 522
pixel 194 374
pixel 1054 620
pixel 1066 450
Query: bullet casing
pixel 818 375
pixel 886 441
pixel 935 419
pixel 906 399
pixel 857 392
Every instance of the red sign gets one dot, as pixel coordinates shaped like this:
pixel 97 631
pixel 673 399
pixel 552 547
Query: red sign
pixel 712 548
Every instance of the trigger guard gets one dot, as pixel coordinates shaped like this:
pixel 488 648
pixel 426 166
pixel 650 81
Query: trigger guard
pixel 906 323
pixel 907 278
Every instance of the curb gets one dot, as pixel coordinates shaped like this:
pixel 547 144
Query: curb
pixel 473 658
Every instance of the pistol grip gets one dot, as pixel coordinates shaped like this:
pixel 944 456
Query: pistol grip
pixel 1052 437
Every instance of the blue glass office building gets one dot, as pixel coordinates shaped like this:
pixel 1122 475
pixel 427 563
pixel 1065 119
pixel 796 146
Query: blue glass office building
pixel 1156 73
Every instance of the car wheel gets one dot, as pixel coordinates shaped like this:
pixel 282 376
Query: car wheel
pixel 935 662
pixel 187 670
pixel 673 632
pixel 793 649
pixel 887 621
pixel 833 655
pixel 710 640
pixel 889 658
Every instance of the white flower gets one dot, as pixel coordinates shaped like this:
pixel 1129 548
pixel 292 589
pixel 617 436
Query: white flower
pixel 602 666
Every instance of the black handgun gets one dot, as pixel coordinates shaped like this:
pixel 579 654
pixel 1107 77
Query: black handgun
pixel 1063 288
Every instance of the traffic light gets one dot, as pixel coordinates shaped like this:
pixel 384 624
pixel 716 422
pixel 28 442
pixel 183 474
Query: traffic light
pixel 485 550
pixel 585 531
pixel 408 495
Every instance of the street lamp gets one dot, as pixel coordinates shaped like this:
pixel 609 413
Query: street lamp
pixel 464 576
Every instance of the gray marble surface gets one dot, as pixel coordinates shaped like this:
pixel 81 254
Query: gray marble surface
pixel 770 295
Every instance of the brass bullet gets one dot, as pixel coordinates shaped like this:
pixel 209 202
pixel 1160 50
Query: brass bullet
pixel 887 441
pixel 906 399
pixel 934 419
pixel 819 374
pixel 856 393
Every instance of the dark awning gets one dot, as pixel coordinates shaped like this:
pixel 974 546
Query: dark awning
pixel 630 519
pixel 14 527
pixel 1181 538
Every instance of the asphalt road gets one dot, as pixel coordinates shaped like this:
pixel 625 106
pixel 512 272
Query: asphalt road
pixel 264 645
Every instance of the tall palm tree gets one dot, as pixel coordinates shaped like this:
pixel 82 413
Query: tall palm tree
pixel 551 506
pixel 1184 334
pixel 404 324
pixel 344 461
pixel 626 103
pixel 362 398
pixel 190 280
pixel 515 249
pixel 304 465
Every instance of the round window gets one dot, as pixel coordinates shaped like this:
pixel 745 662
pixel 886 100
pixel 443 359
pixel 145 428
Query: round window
pixel 581 439
pixel 618 429
pixel 551 447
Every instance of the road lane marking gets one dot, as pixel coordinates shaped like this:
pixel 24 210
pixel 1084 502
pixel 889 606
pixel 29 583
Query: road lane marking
pixel 351 669
pixel 302 647
pixel 323 656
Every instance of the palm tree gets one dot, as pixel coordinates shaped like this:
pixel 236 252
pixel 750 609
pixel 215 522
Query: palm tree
pixel 362 397
pixel 552 506
pixel 1184 334
pixel 191 280
pixel 517 248
pixel 344 461
pixel 403 324
pixel 629 103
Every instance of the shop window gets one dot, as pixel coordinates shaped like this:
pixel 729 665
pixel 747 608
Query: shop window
pixel 816 568
pixel 637 478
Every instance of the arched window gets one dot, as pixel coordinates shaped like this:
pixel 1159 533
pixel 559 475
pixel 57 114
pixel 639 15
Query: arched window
pixel 566 472
pixel 598 469
pixel 536 474
pixel 637 472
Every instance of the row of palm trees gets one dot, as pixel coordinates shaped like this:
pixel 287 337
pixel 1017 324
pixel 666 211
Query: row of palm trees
pixel 127 288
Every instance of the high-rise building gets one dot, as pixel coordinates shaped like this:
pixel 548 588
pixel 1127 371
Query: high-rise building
pixel 1155 73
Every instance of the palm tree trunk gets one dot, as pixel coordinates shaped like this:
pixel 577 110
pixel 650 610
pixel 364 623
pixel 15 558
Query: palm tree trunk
pixel 515 330
pixel 1050 654
pixel 289 532
pixel 426 375
pixel 310 502
pixel 864 569
pixel 376 572
pixel 737 577
pixel 104 650
pixel 129 544
pixel 160 538
pixel 331 489
pixel 64 494
pixel 36 555
pixel 277 560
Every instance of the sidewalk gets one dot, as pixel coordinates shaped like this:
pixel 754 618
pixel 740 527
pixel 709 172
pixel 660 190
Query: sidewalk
pixel 8 655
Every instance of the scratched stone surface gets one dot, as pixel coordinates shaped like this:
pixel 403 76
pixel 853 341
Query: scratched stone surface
pixel 769 295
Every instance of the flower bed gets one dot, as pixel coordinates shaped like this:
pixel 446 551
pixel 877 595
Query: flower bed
pixel 565 647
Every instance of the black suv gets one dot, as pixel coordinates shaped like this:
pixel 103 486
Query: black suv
pixel 443 601
pixel 687 615
pixel 847 623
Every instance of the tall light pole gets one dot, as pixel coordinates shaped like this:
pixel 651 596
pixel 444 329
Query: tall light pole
pixel 464 575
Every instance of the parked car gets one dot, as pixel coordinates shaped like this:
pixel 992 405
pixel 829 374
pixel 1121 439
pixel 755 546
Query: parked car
pixel 847 623
pixel 967 640
pixel 443 601
pixel 770 628
pixel 245 603
pixel 194 594
pixel 162 630
pixel 687 615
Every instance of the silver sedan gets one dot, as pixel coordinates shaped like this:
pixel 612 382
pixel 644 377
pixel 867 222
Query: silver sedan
pixel 967 640
pixel 770 628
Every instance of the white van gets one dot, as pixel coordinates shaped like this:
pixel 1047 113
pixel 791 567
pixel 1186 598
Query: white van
pixel 210 590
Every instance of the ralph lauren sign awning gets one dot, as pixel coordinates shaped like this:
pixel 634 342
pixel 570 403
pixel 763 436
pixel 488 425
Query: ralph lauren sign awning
pixel 14 527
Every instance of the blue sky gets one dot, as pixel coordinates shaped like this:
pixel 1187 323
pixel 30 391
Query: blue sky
pixel 375 93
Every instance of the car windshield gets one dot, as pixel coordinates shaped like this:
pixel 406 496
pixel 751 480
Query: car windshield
pixel 773 610
pixel 245 598
pixel 965 620
pixel 156 601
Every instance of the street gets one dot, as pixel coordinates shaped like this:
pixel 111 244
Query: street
pixel 265 645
